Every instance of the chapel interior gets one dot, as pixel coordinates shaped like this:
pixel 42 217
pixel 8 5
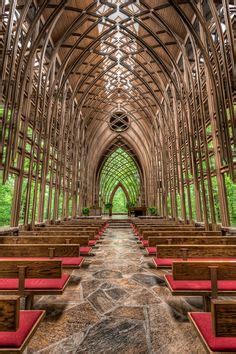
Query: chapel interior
pixel 117 176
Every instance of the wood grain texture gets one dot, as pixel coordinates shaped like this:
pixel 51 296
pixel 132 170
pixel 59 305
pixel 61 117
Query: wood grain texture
pixel 79 240
pixel 196 251
pixel 147 234
pixel 191 240
pixel 33 269
pixel 201 270
pixel 224 318
pixel 40 250
pixel 9 313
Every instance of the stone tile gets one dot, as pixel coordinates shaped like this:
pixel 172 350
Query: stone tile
pixel 148 280
pixel 143 297
pixel 60 324
pixel 89 286
pixel 107 273
pixel 170 336
pixel 101 301
pixel 115 336
pixel 133 312
pixel 116 293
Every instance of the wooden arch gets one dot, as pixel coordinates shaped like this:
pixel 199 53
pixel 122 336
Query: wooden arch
pixel 119 185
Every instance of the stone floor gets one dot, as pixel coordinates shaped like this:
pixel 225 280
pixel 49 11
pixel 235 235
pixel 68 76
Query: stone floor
pixel 117 303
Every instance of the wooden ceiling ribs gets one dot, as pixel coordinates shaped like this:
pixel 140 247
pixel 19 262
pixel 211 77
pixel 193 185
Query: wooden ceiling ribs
pixel 79 62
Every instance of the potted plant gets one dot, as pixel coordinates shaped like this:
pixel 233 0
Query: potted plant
pixel 108 206
pixel 152 211
pixel 85 211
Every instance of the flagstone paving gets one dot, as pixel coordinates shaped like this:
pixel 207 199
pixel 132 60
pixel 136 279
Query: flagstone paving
pixel 117 303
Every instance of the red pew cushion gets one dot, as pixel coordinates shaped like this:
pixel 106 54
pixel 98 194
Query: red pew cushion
pixel 145 243
pixel 92 242
pixel 35 284
pixel 167 262
pixel 216 344
pixel 223 285
pixel 85 250
pixel 151 250
pixel 15 339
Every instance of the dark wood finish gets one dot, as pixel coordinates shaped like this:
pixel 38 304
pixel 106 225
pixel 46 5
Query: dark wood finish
pixel 196 251
pixel 191 240
pixel 224 318
pixel 32 269
pixel 9 313
pixel 202 270
pixel 79 240
pixel 40 250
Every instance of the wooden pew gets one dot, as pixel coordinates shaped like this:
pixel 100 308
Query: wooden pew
pixel 82 241
pixel 217 329
pixel 203 278
pixel 153 242
pixel 17 326
pixel 29 277
pixel 167 254
pixel 68 254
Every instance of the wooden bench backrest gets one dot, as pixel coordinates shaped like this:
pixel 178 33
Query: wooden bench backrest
pixel 78 240
pixel 40 250
pixel 9 313
pixel 223 318
pixel 196 251
pixel 202 270
pixel 147 234
pixel 143 231
pixel 57 233
pixel 66 229
pixel 33 269
pixel 191 240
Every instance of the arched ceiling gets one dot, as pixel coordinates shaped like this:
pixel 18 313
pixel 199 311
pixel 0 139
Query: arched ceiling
pixel 119 168
pixel 118 54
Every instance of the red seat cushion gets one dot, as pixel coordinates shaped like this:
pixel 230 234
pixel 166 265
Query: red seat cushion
pixel 71 261
pixel 151 250
pixel 35 284
pixel 92 242
pixel 16 339
pixel 145 243
pixel 85 250
pixel 223 285
pixel 203 322
pixel 66 261
pixel 167 262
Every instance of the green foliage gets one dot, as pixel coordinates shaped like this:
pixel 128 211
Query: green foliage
pixel 130 205
pixel 119 202
pixel 6 198
pixel 120 167
pixel 85 211
pixel 108 206
pixel 152 210
pixel 231 195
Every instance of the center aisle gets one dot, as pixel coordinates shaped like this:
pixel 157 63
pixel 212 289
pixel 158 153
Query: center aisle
pixel 117 303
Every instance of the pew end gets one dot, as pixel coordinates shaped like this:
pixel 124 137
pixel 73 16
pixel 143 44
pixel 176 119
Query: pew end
pixel 217 328
pixel 16 326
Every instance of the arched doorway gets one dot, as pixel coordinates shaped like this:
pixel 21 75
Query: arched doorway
pixel 119 170
pixel 119 199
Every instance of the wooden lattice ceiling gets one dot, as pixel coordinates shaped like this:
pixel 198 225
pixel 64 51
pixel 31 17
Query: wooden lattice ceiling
pixel 68 65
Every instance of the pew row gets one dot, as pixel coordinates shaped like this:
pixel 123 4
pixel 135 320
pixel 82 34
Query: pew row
pixel 30 277
pixel 68 254
pixel 83 242
pixel 167 254
pixel 217 328
pixel 208 279
pixel 153 242
pixel 17 326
